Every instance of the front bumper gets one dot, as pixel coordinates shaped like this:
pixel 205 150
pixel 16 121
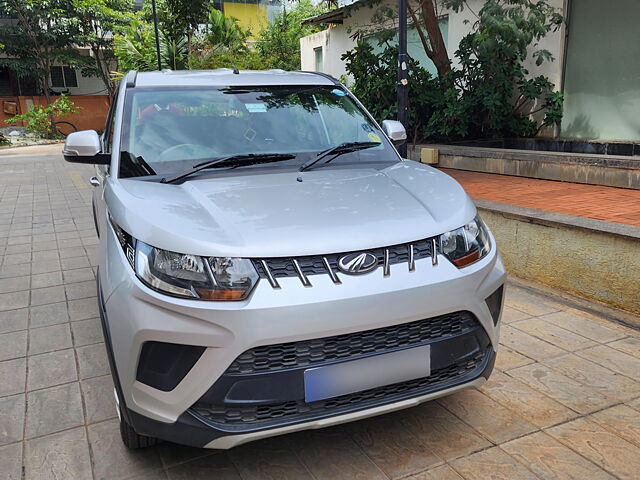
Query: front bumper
pixel 135 314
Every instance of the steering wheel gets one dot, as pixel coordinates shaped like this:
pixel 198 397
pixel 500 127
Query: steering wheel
pixel 186 151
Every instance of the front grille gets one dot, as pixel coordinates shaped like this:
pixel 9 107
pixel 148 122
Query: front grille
pixel 298 410
pixel 351 345
pixel 317 264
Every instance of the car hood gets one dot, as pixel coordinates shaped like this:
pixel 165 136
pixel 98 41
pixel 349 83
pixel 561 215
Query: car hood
pixel 274 214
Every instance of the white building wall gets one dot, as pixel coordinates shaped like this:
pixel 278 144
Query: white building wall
pixel 336 41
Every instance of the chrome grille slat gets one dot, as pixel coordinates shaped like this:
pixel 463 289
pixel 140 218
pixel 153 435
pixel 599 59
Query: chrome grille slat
pixel 272 281
pixel 332 274
pixel 412 261
pixel 386 267
pixel 303 278
pixel 327 264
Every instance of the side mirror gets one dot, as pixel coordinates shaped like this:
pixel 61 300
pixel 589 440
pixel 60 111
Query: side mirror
pixel 395 131
pixel 85 147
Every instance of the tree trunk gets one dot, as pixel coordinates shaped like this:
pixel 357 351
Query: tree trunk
pixel 439 54
pixel 432 40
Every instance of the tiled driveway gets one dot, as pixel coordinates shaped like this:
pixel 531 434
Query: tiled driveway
pixel 563 403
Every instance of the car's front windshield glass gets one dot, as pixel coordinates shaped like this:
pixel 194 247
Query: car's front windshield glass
pixel 168 130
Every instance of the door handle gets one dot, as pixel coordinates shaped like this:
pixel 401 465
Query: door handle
pixel 94 181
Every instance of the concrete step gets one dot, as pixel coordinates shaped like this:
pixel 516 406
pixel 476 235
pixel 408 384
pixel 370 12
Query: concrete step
pixel 609 170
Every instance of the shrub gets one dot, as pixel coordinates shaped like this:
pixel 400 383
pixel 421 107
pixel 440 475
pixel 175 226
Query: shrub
pixel 41 119
pixel 490 93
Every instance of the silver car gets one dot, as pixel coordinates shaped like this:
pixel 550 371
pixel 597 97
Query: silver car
pixel 268 262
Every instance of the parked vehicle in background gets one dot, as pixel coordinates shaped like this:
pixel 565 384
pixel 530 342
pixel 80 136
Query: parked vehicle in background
pixel 268 263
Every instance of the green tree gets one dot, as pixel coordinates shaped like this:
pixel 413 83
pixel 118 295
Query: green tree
pixel 95 21
pixel 279 43
pixel 40 36
pixel 490 94
pixel 135 48
pixel 225 33
pixel 178 19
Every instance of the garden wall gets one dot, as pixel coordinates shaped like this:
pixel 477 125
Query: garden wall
pixel 92 114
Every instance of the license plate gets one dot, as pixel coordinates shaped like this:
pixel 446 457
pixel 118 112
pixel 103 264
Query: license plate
pixel 357 375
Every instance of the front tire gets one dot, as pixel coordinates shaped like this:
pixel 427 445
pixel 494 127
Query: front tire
pixel 133 440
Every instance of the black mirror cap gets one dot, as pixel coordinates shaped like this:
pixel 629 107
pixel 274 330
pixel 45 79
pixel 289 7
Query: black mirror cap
pixel 97 159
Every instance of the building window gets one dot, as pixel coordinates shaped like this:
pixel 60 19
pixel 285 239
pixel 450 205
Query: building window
pixel 63 77
pixel 318 55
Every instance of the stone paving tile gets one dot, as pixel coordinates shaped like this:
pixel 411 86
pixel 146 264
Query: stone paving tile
pixel 13 374
pixel 603 448
pixel 510 314
pixel 608 382
pixel 14 320
pixel 47 339
pixel 13 345
pixel 535 407
pixel 495 422
pixel 43 280
pixel 16 284
pixel 11 418
pixel 551 460
pixel 391 446
pixel 444 472
pixel 445 434
pixel 331 454
pixel 53 409
pixel 630 345
pixel 620 420
pixel 216 466
pixel 92 360
pixel 50 369
pixel 574 395
pixel 268 460
pixel 98 396
pixel 51 314
pixel 508 359
pixel 11 462
pixel 47 295
pixel 528 345
pixel 553 334
pixel 613 359
pixel 14 300
pixel 529 303
pixel 83 309
pixel 86 332
pixel 63 455
pixel 583 325
pixel 493 463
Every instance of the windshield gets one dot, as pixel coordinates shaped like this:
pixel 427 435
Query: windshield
pixel 168 130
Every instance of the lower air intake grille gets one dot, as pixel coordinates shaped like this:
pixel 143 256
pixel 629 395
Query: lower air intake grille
pixel 352 345
pixel 298 410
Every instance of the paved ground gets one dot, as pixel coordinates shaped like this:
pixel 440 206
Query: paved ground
pixel 564 402
pixel 610 204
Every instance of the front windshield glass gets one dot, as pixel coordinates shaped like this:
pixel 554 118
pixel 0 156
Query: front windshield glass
pixel 168 130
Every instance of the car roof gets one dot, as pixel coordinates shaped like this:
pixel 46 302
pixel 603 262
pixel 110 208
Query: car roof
pixel 227 77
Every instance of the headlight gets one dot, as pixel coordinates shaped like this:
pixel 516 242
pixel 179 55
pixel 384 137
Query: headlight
pixel 467 244
pixel 188 276
pixel 192 276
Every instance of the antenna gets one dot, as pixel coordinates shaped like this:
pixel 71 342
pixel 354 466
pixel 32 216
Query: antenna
pixel 235 70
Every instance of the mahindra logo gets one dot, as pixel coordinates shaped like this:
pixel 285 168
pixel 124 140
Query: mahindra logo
pixel 356 263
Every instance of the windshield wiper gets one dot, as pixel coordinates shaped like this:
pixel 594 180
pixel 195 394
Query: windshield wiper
pixel 338 150
pixel 231 161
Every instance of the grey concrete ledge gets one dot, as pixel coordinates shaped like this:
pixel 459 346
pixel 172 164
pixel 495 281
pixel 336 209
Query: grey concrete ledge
pixel 543 217
pixel 611 161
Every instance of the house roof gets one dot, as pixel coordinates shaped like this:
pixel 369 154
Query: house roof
pixel 334 16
